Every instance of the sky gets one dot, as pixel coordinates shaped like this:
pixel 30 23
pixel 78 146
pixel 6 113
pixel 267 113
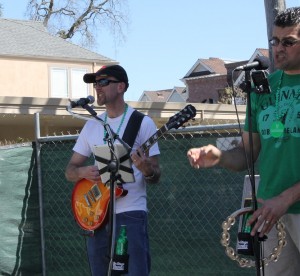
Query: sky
pixel 165 38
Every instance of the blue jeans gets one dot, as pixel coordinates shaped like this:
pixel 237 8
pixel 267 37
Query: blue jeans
pixel 138 245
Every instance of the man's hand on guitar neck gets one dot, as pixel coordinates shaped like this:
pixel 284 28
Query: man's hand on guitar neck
pixel 149 166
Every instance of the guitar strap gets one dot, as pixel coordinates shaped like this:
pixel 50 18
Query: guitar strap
pixel 130 134
pixel 133 127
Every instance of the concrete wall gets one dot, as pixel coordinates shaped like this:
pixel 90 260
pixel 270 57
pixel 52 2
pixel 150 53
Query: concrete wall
pixel 17 119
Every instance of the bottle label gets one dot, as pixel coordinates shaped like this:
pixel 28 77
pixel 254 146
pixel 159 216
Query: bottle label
pixel 120 264
pixel 245 244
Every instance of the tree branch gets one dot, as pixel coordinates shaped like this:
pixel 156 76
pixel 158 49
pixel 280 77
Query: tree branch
pixel 68 17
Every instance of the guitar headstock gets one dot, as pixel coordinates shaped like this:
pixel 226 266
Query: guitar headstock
pixel 177 120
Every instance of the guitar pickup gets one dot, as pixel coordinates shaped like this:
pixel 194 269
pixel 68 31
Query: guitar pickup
pixel 96 192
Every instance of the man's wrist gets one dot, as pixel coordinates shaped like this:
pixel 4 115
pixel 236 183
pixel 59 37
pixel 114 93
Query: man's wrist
pixel 151 176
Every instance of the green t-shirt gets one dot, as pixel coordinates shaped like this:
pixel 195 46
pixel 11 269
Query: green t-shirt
pixel 279 160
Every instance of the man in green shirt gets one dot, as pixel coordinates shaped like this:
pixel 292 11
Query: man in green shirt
pixel 276 141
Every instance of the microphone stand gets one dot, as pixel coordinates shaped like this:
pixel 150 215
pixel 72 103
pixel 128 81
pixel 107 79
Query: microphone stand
pixel 246 86
pixel 113 168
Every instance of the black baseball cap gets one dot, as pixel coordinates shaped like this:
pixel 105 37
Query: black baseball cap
pixel 116 71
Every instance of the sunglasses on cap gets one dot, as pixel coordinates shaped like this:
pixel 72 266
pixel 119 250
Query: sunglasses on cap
pixel 285 42
pixel 104 82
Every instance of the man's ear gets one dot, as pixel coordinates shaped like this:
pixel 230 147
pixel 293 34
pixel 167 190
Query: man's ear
pixel 122 87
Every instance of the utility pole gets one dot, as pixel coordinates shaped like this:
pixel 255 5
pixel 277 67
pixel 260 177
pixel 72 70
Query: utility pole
pixel 272 8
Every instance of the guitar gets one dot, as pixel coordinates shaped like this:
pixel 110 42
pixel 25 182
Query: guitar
pixel 90 200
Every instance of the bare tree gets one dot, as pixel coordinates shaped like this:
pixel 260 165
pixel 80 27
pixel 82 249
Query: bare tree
pixel 81 19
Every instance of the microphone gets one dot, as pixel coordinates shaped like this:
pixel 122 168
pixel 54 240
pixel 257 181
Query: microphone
pixel 82 101
pixel 259 63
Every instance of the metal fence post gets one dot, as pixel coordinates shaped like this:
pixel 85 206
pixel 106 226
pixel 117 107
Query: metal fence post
pixel 39 172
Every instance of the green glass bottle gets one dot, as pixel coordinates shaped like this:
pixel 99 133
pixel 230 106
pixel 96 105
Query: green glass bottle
pixel 122 242
pixel 246 228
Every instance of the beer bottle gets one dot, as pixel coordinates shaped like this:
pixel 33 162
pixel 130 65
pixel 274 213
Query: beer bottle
pixel 246 228
pixel 122 242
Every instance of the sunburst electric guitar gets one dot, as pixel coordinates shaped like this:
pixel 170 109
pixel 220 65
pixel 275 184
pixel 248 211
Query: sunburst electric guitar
pixel 90 200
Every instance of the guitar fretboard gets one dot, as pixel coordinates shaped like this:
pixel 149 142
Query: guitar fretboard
pixel 175 121
pixel 153 139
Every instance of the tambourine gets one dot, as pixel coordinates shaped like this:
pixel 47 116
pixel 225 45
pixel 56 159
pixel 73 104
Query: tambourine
pixel 246 262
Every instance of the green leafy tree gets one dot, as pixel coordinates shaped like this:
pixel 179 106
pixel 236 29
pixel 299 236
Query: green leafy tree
pixel 81 20
pixel 226 96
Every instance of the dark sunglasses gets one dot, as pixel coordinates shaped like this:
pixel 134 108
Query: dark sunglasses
pixel 285 42
pixel 104 82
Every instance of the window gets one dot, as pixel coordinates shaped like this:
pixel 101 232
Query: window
pixel 78 86
pixel 68 83
pixel 59 83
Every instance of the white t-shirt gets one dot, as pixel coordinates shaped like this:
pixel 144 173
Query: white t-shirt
pixel 92 134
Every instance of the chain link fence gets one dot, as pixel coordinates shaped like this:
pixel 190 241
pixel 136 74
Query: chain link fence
pixel 186 209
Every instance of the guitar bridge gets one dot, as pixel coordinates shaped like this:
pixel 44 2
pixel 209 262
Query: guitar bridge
pixel 91 196
pixel 87 200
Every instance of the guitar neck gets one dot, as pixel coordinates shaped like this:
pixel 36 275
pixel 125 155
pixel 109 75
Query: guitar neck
pixel 175 121
pixel 153 139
